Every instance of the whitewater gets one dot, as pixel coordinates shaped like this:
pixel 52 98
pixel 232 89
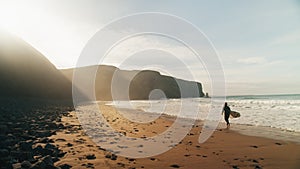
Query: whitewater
pixel 276 111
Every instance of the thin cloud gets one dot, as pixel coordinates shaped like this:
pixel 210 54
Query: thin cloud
pixel 293 37
pixel 252 60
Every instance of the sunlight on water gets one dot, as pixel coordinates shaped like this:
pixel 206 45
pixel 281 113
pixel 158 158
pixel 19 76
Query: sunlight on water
pixel 281 111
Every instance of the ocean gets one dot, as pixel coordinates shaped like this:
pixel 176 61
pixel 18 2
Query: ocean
pixel 275 111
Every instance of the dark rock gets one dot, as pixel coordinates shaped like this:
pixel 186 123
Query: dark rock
pixel 50 149
pixel 55 159
pixel 50 146
pixel 38 149
pixel 52 126
pixel 43 133
pixel 113 157
pixel 26 164
pixel 7 142
pixel 131 159
pixel 25 145
pixel 47 160
pixel 61 154
pixel 107 156
pixel 20 129
pixel 91 156
pixel 175 166
pixel 22 155
pixel 121 165
pixel 65 166
pixel 152 159
pixel 4 153
pixel 26 136
pixel 3 129
pixel 51 167
pixel 69 144
pixel 257 167
pixel 46 151
pixel 61 126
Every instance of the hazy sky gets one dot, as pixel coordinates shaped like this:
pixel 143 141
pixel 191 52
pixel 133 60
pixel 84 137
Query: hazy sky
pixel 258 42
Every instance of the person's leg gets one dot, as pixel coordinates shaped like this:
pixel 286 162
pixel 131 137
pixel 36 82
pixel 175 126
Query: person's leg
pixel 227 120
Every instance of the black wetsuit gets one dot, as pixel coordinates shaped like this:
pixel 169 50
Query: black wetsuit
pixel 227 114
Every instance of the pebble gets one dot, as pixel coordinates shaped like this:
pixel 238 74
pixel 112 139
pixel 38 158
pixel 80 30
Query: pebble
pixel 21 128
pixel 65 166
pixel 175 166
pixel 25 164
pixel 91 156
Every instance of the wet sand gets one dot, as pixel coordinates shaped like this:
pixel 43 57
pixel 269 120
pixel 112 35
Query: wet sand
pixel 224 149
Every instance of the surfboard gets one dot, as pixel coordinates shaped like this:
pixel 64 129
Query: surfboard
pixel 235 114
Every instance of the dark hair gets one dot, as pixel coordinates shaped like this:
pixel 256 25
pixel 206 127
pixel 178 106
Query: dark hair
pixel 225 104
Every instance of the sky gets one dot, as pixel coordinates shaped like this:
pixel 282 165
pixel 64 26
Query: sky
pixel 258 43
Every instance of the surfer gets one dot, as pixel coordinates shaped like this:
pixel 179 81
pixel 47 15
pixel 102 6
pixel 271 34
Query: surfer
pixel 227 111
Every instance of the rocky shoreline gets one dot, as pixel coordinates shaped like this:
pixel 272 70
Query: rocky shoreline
pixel 24 131
pixel 49 136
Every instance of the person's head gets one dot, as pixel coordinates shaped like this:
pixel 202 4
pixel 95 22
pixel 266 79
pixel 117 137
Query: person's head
pixel 225 104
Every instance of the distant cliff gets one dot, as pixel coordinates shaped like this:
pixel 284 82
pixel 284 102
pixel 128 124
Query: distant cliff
pixel 140 83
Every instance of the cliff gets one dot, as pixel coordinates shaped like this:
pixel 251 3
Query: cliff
pixel 26 73
pixel 140 83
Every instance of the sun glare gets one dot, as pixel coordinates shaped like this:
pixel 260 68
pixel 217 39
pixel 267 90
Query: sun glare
pixel 14 15
pixel 24 17
pixel 33 22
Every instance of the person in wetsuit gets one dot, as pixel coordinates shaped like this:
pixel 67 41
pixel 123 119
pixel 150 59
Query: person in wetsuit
pixel 227 111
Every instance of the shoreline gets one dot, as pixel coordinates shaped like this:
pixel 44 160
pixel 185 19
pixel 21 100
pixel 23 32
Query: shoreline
pixel 224 149
pixel 251 130
pixel 245 129
pixel 267 132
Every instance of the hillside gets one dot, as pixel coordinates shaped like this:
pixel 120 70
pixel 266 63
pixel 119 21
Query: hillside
pixel 26 73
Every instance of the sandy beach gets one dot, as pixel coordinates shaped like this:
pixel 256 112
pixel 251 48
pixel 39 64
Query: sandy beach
pixel 226 148
pixel 149 84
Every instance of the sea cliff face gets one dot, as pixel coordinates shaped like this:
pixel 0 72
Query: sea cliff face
pixel 137 85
